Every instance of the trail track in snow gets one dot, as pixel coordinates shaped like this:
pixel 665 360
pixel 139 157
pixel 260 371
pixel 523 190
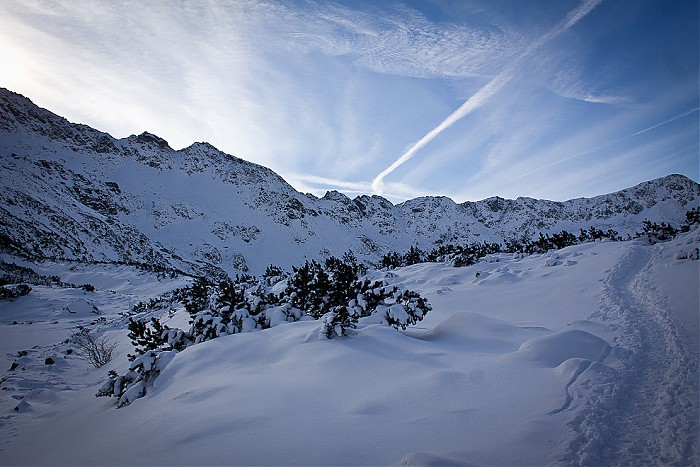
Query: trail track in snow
pixel 646 411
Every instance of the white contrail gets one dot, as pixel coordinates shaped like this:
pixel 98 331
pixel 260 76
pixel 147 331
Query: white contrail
pixel 473 103
pixel 486 92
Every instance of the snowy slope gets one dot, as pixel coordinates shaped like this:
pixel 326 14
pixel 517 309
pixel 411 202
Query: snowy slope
pixel 69 191
pixel 587 361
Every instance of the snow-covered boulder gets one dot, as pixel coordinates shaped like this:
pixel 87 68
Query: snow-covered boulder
pixel 81 307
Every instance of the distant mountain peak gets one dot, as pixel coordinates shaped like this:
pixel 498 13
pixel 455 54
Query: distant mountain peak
pixel 334 195
pixel 150 139
pixel 70 191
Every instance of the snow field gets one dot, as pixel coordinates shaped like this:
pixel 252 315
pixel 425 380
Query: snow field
pixel 521 361
pixel 36 326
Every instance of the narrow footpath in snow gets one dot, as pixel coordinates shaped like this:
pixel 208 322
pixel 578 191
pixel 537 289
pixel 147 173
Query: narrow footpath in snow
pixel 648 413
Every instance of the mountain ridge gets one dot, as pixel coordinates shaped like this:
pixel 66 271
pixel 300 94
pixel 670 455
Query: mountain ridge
pixel 74 192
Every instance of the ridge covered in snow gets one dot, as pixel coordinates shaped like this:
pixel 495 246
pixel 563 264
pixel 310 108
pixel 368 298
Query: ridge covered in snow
pixel 73 192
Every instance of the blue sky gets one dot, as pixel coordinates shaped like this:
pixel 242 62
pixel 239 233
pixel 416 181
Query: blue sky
pixel 465 98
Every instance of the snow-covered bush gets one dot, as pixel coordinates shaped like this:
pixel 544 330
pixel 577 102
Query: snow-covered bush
pixel 458 255
pixel 197 295
pixel 11 273
pixel 408 308
pixel 547 242
pixel 332 292
pixel 692 218
pixel 316 289
pixel 466 255
pixel 391 260
pixel 336 323
pixel 693 254
pixel 168 301
pixel 273 274
pixel 134 384
pixel 593 234
pixel 657 232
pixel 413 256
pixel 12 292
pixel 239 305
pixel 308 288
pixel 391 306
pixel 146 336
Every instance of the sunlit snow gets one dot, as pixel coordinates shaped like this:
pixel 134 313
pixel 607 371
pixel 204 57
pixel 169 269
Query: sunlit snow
pixel 589 356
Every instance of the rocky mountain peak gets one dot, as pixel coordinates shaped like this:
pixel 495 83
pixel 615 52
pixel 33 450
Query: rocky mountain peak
pixel 150 140
pixel 73 192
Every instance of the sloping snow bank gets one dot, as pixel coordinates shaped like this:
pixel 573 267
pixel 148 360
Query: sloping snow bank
pixel 498 373
pixel 682 295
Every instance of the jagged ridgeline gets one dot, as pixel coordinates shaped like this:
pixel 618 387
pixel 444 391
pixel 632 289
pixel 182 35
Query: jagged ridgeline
pixel 73 192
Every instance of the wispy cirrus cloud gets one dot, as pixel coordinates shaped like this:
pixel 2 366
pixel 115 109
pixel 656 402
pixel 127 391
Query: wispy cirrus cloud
pixel 607 144
pixel 485 93
pixel 400 41
pixel 646 138
pixel 242 75
pixel 334 92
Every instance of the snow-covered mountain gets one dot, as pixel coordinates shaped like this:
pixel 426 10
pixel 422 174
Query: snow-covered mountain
pixel 585 355
pixel 72 192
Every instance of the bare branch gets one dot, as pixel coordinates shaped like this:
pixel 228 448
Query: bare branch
pixel 96 350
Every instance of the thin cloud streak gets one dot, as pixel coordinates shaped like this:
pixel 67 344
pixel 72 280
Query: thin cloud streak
pixel 608 144
pixel 485 93
pixel 595 177
pixel 318 186
pixel 359 187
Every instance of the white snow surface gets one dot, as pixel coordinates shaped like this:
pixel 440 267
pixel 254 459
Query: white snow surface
pixel 591 360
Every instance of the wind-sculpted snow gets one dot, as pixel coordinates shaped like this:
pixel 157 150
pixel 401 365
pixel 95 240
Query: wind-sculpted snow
pixel 72 192
pixel 522 361
pixel 555 349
